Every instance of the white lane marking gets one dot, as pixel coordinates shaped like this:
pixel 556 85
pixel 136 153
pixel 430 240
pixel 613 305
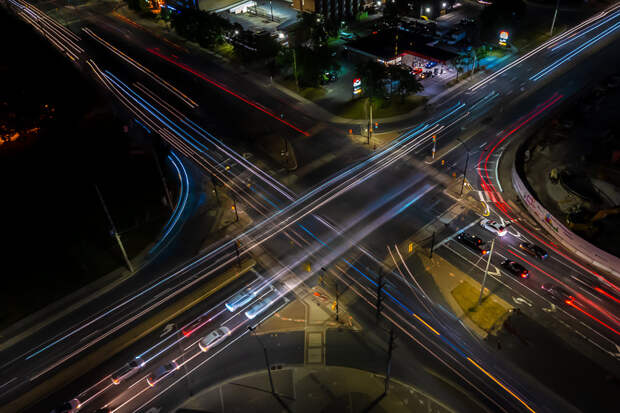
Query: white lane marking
pixel 566 313
pixel 89 336
pixel 9 382
pixel 521 300
pixel 169 327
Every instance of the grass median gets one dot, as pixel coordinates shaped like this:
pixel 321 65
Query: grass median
pixel 489 315
pixel 116 345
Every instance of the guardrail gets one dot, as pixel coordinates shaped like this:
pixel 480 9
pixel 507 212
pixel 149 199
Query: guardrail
pixel 588 252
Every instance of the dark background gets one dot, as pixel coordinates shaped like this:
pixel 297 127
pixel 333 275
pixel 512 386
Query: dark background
pixel 55 235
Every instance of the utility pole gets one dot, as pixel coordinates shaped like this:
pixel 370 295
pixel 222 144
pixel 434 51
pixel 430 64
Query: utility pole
pixel 271 7
pixel 380 285
pixel 464 174
pixel 432 245
pixel 163 178
pixel 555 14
pixel 237 252
pixel 295 68
pixel 214 183
pixel 475 57
pixel 337 300
pixel 114 232
pixel 466 164
pixel 370 120
pixel 388 368
pixel 234 208
pixel 486 271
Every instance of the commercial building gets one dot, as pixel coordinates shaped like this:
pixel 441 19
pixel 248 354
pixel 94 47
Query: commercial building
pixel 338 9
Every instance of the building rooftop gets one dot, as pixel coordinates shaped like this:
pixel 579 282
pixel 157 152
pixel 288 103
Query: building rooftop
pixel 382 45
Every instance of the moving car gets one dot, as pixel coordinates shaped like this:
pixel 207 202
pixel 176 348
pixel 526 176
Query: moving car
pixel 515 268
pixel 214 338
pixel 161 372
pixel 262 304
pixel 599 286
pixel 558 292
pixel 473 242
pixel 493 226
pixel 194 325
pixel 533 250
pixel 72 406
pixel 240 299
pixel 127 370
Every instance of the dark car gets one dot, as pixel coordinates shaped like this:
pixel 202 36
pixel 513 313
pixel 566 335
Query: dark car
pixel 602 288
pixel 127 370
pixel 473 242
pixel 161 372
pixel 533 250
pixel 515 268
pixel 557 292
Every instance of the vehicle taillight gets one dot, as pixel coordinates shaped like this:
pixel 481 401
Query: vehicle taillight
pixel 523 275
pixel 484 252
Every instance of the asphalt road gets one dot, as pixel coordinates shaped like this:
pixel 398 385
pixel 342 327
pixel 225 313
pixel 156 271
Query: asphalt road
pixel 361 201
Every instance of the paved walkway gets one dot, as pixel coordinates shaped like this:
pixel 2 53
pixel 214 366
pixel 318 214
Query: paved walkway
pixel 312 389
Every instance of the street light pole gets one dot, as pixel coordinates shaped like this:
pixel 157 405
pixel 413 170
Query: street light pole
pixel 464 169
pixel 271 7
pixel 486 271
pixel 114 232
pixel 555 14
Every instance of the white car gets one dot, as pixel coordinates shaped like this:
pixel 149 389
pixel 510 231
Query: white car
pixel 494 227
pixel 214 338
pixel 240 299
pixel 262 304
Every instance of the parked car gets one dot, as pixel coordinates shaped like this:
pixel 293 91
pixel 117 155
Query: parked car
pixel 127 370
pixel 161 372
pixel 493 226
pixel 430 65
pixel 473 242
pixel 558 293
pixel 515 268
pixel 72 406
pixel 533 250
pixel 214 338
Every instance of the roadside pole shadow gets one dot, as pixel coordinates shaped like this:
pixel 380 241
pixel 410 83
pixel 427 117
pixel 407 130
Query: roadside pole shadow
pixel 375 402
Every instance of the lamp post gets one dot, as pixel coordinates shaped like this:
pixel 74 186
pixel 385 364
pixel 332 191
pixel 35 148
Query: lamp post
pixel 555 14
pixel 466 164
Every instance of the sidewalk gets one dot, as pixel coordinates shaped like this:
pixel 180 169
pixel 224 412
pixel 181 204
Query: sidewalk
pixel 314 311
pixel 312 389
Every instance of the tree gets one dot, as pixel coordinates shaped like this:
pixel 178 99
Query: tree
pixel 458 63
pixel 407 83
pixel 373 75
pixel 207 29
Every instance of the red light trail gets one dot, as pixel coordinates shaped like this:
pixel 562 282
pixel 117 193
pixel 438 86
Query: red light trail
pixel 225 89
